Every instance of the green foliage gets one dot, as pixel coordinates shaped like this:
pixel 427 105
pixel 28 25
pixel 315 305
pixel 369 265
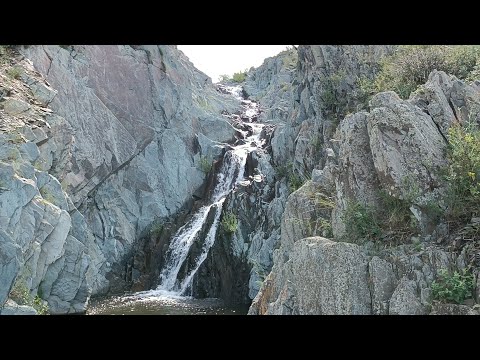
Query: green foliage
pixel 410 66
pixel 463 172
pixel 156 229
pixel 462 60
pixel 366 89
pixel 47 195
pixel 475 73
pixel 290 58
pixel 325 226
pixel 454 287
pixel 205 164
pixel 239 76
pixel 395 215
pixel 360 223
pixel 294 181
pixel 229 222
pixel 40 305
pixel 14 72
pixel 20 293
pixel 285 87
pixel 204 104
pixel 5 53
pixel 224 78
pixel 329 96
pixel 316 143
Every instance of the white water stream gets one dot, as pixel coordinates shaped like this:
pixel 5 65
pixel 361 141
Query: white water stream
pixel 231 174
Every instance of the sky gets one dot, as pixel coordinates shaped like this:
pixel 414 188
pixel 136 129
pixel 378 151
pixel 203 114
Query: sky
pixel 216 60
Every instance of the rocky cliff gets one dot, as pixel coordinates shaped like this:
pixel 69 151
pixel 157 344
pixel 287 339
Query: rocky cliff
pixel 106 151
pixel 386 159
pixel 98 143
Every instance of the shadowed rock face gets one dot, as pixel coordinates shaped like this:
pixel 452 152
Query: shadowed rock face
pixel 116 150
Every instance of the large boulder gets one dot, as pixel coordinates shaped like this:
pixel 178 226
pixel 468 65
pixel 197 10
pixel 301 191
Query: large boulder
pixel 330 278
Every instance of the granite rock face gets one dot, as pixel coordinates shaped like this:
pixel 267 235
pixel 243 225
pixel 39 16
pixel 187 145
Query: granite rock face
pixel 97 143
pixel 103 146
pixel 392 146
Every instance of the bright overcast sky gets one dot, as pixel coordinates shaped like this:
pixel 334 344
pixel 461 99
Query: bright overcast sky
pixel 216 60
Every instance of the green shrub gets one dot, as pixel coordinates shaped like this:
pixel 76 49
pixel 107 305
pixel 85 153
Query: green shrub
pixel 331 99
pixel 396 215
pixel 20 293
pixel 360 223
pixel 410 66
pixel 204 104
pixel 454 287
pixel 290 58
pixel 5 53
pixel 366 89
pixel 156 229
pixel 239 76
pixel 229 222
pixel 463 172
pixel 40 305
pixel 224 78
pixel 14 72
pixel 47 195
pixel 205 164
pixel 462 60
pixel 294 181
pixel 325 226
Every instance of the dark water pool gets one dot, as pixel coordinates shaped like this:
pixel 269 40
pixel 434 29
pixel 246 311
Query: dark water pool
pixel 161 303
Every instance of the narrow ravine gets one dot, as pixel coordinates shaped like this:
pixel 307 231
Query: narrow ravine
pixel 173 293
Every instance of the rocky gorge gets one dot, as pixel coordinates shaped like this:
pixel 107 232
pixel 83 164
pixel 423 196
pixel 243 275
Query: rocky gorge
pixel 340 201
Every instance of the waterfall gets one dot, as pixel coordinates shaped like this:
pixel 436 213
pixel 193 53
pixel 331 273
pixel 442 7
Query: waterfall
pixel 231 173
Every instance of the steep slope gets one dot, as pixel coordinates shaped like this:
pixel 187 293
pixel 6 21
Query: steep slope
pixel 118 148
pixel 386 160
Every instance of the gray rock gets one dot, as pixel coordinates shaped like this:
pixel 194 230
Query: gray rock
pixel 43 93
pixel 407 148
pixel 330 278
pixel 125 154
pixel 357 179
pixel 15 106
pixel 12 308
pixel 382 284
pixel 452 309
pixel 405 301
pixel 10 254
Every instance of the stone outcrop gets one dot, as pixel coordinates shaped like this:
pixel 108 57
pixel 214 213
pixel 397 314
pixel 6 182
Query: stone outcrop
pixel 97 143
pixel 12 308
pixel 395 147
pixel 315 275
pixel 102 158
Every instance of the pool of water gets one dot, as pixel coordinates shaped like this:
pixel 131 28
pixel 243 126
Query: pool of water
pixel 157 303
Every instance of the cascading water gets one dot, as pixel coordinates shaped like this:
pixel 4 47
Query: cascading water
pixel 231 174
pixel 233 169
